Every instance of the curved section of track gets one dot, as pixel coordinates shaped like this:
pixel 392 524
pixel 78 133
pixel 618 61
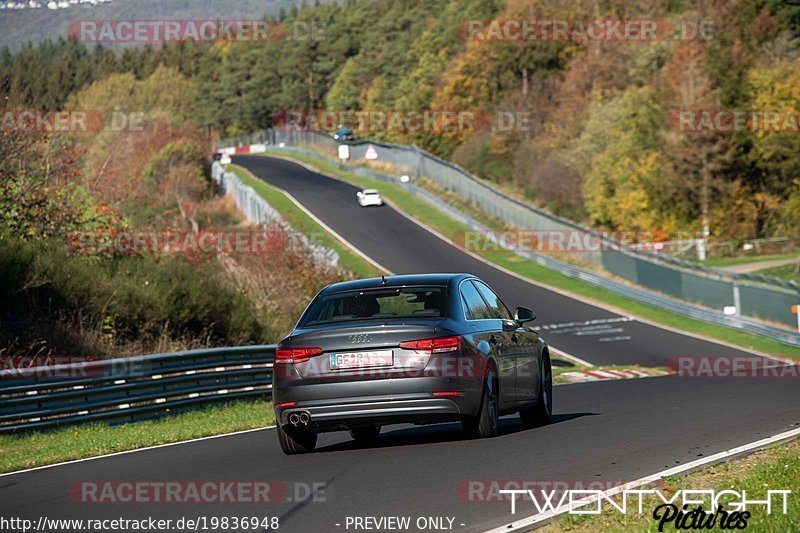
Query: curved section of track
pixel 589 332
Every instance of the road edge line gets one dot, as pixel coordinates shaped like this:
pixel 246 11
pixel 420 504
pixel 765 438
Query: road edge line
pixel 537 520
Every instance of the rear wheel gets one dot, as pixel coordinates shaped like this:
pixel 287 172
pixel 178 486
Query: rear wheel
pixel 541 413
pixel 294 441
pixel 485 424
pixel 365 436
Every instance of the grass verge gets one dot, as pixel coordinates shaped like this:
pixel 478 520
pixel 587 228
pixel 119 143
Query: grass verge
pixel 450 228
pixel 742 260
pixel 306 225
pixel 790 272
pixel 776 468
pixel 88 440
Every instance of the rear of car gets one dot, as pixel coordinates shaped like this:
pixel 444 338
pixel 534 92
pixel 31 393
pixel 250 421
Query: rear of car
pixel 369 197
pixel 362 357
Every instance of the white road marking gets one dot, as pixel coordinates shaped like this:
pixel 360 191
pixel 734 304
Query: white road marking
pixel 614 339
pixel 575 330
pixel 569 357
pixel 592 322
pixel 583 333
pixel 539 519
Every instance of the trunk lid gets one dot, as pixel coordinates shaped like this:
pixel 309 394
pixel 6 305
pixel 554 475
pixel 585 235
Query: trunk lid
pixel 368 339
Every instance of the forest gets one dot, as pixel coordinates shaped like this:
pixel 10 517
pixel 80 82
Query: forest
pixel 597 144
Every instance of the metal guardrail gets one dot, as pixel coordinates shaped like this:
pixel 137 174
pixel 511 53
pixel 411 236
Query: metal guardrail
pixel 259 211
pixel 131 388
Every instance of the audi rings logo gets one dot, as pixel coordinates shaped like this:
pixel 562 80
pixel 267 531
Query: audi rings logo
pixel 361 338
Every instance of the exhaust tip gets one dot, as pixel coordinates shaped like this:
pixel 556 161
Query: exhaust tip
pixel 304 418
pixel 294 419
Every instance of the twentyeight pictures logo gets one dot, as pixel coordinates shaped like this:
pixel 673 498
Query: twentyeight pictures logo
pixel 684 509
pixel 167 31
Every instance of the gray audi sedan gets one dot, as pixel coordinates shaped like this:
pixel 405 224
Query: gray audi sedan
pixel 418 349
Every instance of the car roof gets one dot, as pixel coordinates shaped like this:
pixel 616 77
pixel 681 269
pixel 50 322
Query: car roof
pixel 370 191
pixel 397 281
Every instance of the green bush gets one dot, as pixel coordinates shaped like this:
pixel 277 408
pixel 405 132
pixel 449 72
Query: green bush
pixel 129 298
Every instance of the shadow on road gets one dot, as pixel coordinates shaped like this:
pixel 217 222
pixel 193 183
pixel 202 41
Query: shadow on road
pixel 439 433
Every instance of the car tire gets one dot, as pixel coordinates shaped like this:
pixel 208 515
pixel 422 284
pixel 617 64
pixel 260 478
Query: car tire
pixel 484 425
pixel 541 412
pixel 366 436
pixel 295 442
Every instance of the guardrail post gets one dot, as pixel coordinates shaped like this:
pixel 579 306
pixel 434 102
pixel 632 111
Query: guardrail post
pixel 737 299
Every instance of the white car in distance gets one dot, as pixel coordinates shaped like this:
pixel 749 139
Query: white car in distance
pixel 369 197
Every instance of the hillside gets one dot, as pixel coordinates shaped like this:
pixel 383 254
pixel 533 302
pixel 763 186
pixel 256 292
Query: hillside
pixel 18 26
pixel 600 134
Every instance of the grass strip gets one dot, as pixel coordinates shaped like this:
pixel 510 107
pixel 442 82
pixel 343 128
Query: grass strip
pixel 775 468
pixel 306 225
pixel 29 450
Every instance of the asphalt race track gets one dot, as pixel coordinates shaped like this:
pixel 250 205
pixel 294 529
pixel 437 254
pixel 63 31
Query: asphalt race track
pixel 608 431
pixel 404 247
pixel 604 432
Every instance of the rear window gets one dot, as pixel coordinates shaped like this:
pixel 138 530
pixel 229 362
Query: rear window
pixel 385 302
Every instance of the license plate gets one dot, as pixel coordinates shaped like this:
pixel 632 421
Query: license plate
pixel 341 361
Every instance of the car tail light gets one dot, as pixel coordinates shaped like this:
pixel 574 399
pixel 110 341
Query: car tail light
pixel 437 345
pixel 448 394
pixel 295 355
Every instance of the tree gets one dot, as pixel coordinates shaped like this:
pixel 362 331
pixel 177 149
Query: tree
pixel 775 154
pixel 625 187
pixel 698 158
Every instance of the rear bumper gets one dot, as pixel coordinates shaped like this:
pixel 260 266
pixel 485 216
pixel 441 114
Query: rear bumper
pixel 353 401
pixel 355 412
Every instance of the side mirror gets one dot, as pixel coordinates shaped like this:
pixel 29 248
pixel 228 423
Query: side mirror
pixel 359 194
pixel 523 314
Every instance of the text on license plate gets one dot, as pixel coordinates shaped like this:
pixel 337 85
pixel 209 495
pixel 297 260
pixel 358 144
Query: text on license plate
pixel 361 359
